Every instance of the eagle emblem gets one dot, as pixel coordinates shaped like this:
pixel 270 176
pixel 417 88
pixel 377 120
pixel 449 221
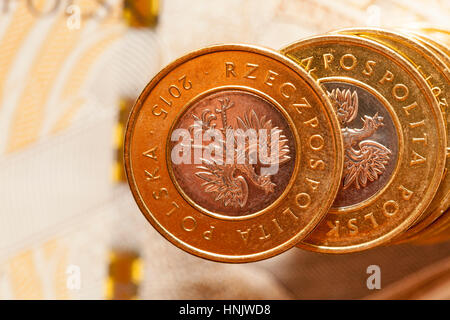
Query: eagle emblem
pixel 365 160
pixel 229 182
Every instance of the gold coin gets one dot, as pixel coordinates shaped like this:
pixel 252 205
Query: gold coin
pixel 438 232
pixel 439 226
pixel 438 48
pixel 438 34
pixel 233 153
pixel 437 75
pixel 394 140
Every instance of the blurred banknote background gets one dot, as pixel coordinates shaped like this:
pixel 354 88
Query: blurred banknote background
pixel 69 228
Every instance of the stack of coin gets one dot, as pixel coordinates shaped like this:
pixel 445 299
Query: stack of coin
pixel 336 144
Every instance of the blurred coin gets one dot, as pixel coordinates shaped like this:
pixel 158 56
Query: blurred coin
pixel 438 34
pixel 437 75
pixel 437 232
pixel 437 47
pixel 233 153
pixel 394 140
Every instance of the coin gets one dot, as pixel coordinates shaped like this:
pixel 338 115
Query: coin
pixel 439 226
pixel 233 153
pixel 394 140
pixel 438 48
pixel 437 232
pixel 437 75
pixel 441 35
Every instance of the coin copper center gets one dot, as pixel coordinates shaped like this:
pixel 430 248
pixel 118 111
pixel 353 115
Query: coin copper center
pixel 370 142
pixel 245 132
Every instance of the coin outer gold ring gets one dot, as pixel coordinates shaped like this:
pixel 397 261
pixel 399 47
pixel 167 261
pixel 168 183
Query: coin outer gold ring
pixel 433 68
pixel 369 233
pixel 279 227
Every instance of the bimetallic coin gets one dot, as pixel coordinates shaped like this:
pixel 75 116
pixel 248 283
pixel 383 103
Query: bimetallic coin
pixel 440 35
pixel 233 153
pixel 437 75
pixel 437 232
pixel 394 140
pixel 438 48
pixel 438 226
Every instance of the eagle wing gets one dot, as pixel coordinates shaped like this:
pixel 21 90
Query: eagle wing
pixel 251 121
pixel 218 179
pixel 366 164
pixel 346 104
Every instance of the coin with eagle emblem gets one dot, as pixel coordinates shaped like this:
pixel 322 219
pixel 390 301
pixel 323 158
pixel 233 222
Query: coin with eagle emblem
pixel 394 140
pixel 431 64
pixel 233 153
